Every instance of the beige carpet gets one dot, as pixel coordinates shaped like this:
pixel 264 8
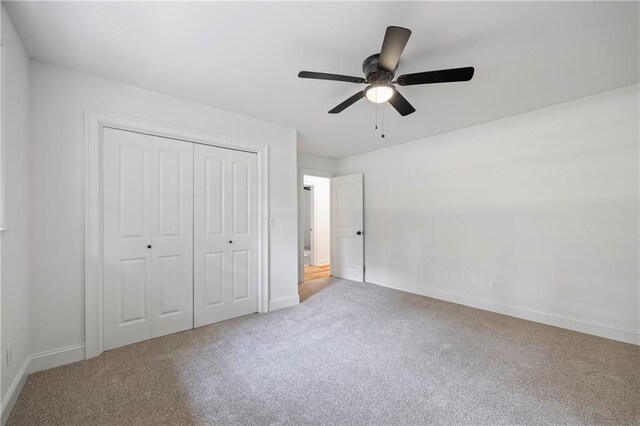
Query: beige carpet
pixel 354 353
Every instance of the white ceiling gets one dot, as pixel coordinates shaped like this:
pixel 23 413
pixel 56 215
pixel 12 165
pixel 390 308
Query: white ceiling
pixel 244 57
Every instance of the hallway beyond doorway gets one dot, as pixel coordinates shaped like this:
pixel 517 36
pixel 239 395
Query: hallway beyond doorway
pixel 316 272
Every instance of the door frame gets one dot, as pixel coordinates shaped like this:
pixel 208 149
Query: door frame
pixel 302 171
pixel 95 121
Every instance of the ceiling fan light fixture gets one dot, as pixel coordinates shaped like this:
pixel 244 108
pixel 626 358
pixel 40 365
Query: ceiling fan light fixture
pixel 379 93
pixel 379 70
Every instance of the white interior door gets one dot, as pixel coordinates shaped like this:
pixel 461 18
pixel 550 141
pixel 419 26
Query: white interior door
pixel 225 234
pixel 127 228
pixel 172 243
pixel 347 223
pixel 147 237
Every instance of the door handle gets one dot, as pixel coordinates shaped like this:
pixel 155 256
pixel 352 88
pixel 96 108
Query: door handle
pixel 359 233
pixel 149 246
pixel 230 242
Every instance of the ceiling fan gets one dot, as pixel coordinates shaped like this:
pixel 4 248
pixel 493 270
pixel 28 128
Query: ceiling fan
pixel 379 71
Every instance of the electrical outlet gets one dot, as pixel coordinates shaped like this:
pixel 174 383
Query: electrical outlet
pixel 9 357
pixel 474 281
pixel 493 284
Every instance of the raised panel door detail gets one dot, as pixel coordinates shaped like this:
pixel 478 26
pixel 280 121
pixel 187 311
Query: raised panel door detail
pixel 169 194
pixel 348 252
pixel 225 234
pixel 241 192
pixel 132 191
pixel 170 272
pixel 240 274
pixel 214 278
pixel 133 289
pixel 172 252
pixel 147 236
pixel 214 201
pixel 346 211
pixel 347 234
pixel 127 229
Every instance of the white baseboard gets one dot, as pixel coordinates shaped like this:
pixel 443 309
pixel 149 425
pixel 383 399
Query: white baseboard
pixel 576 324
pixel 33 364
pixel 56 358
pixel 284 302
pixel 14 390
pixel 323 261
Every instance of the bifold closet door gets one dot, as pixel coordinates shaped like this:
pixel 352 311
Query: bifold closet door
pixel 225 234
pixel 147 237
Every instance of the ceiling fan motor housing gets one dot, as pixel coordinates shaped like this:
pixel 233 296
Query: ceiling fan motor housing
pixel 373 73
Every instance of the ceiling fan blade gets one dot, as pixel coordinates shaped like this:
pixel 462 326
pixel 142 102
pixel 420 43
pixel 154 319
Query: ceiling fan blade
pixel 332 77
pixel 401 104
pixel 395 39
pixel 344 105
pixel 440 76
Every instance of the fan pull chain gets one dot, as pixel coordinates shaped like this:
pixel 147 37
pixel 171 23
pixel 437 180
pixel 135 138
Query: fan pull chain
pixel 382 124
pixel 375 107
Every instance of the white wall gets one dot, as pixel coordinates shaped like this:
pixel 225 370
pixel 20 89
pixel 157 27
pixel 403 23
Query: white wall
pixel 15 180
pixel 322 217
pixel 545 202
pixel 59 97
pixel 315 162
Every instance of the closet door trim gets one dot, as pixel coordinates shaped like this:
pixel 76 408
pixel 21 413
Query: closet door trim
pixel 95 122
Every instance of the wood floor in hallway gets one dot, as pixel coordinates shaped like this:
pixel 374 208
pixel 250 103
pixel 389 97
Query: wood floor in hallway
pixel 316 272
pixel 315 280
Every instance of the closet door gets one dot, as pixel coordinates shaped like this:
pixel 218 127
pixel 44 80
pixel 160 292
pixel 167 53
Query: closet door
pixel 225 234
pixel 243 233
pixel 127 230
pixel 172 242
pixel 147 237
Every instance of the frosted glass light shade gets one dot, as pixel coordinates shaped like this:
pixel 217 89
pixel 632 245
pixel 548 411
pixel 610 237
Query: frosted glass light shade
pixel 379 93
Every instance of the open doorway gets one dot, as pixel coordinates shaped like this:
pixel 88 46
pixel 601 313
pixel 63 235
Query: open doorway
pixel 331 230
pixel 316 227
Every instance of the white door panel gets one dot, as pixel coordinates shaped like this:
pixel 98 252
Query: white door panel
pixel 347 223
pixel 240 191
pixel 243 233
pixel 132 289
pixel 210 242
pixel 213 279
pixel 127 232
pixel 240 275
pixel 225 234
pixel 180 235
pixel 172 214
pixel 147 216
